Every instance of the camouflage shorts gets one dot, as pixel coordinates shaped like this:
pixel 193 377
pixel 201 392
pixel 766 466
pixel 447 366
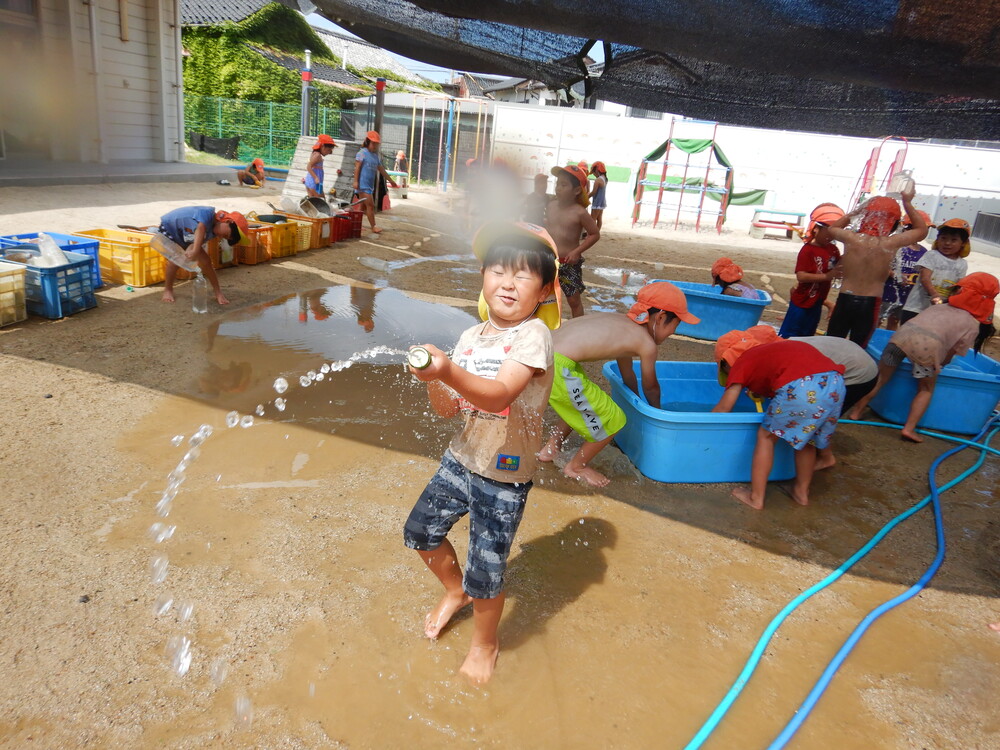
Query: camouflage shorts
pixel 494 509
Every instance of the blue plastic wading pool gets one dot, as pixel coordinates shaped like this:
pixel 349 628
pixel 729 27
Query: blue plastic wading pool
pixel 720 313
pixel 965 396
pixel 687 442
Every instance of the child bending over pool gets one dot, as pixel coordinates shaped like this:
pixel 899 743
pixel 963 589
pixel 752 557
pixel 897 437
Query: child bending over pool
pixel 729 276
pixel 932 339
pixel 581 405
pixel 498 379
pixel 806 390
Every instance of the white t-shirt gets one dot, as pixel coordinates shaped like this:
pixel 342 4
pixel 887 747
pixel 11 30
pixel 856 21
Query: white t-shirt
pixel 859 367
pixel 945 273
pixel 503 446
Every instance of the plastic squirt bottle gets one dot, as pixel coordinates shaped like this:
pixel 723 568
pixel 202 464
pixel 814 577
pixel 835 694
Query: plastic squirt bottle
pixel 199 302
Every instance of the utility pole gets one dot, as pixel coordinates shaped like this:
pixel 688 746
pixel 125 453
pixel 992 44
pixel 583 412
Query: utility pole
pixel 306 81
pixel 379 103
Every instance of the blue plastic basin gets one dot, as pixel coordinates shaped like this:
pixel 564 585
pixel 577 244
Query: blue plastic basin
pixel 965 396
pixel 719 313
pixel 687 442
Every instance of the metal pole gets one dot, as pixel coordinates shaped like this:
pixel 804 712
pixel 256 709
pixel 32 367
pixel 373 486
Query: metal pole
pixel 379 104
pixel 306 79
pixel 423 121
pixel 458 133
pixel 413 132
pixel 447 150
pixel 440 144
pixel 479 115
pixel 270 132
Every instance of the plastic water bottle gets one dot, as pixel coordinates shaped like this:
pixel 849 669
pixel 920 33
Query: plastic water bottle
pixel 900 183
pixel 199 302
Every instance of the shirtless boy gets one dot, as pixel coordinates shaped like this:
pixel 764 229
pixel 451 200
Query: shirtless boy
pixel 566 220
pixel 581 405
pixel 867 261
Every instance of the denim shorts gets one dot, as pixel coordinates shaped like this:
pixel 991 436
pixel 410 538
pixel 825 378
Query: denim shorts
pixel 494 509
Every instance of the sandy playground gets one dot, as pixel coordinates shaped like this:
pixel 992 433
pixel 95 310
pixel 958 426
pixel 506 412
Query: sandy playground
pixel 630 610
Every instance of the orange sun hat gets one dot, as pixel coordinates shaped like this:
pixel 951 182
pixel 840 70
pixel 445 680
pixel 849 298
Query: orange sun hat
pixel 324 140
pixel 961 225
pixel 976 295
pixel 661 295
pixel 732 345
pixel 727 270
pixel 824 212
pixel 879 216
pixel 578 174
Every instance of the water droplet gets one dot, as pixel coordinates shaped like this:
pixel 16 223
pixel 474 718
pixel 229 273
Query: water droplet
pixel 196 440
pixel 162 604
pixel 192 455
pixel 179 653
pixel 320 376
pixel 175 478
pixel 160 532
pixel 232 419
pixel 206 431
pixel 247 421
pixel 325 368
pixel 279 404
pixel 218 670
pixel 158 568
pixel 305 382
pixel 176 440
pixel 260 410
pixel 311 374
pixel 163 508
pixel 243 712
pixel 168 495
pixel 280 385
pixel 581 521
pixel 312 689
pixel 185 609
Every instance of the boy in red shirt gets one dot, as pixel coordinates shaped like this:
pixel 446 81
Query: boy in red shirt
pixel 806 390
pixel 815 271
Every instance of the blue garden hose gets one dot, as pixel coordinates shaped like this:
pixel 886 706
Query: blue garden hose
pixel 723 707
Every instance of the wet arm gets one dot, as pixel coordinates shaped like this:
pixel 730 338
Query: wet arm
pixel 199 240
pixel 650 384
pixel 729 398
pixel 489 395
pixel 357 175
pixel 442 399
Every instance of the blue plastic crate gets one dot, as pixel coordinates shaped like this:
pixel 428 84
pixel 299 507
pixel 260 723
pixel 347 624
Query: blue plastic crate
pixel 966 393
pixel 687 442
pixel 720 313
pixel 61 290
pixel 67 243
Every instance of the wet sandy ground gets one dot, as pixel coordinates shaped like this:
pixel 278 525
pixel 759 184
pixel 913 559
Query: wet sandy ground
pixel 621 631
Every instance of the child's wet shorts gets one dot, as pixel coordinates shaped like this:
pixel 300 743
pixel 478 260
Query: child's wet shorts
pixel 582 404
pixel 893 356
pixel 571 278
pixel 494 508
pixel 248 180
pixel 806 410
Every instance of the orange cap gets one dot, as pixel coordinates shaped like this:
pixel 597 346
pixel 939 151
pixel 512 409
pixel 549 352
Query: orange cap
pixel 961 225
pixel 324 140
pixel 373 136
pixel 976 294
pixel 661 295
pixel 581 178
pixel 879 216
pixel 731 345
pixel 582 164
pixel 242 227
pixel 923 215
pixel 550 311
pixel 258 162
pixel 727 270
pixel 598 166
pixel 824 212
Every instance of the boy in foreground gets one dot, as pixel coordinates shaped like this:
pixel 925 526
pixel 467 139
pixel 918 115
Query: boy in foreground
pixel 581 405
pixel 191 227
pixel 566 220
pixel 498 378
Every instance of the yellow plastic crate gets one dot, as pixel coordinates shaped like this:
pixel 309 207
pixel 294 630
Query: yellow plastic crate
pixel 127 257
pixel 321 229
pixel 259 249
pixel 303 234
pixel 284 237
pixel 13 306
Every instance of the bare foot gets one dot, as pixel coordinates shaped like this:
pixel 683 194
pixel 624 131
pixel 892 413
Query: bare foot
pixel 591 476
pixel 825 462
pixel 995 626
pixel 438 617
pixel 910 437
pixel 852 414
pixel 549 452
pixel 168 295
pixel 221 298
pixel 744 495
pixel 479 664
pixel 798 495
pixel 376 230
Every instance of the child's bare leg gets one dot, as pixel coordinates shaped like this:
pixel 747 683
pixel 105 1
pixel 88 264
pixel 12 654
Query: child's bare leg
pixel 205 264
pixel 575 302
pixel 482 657
pixel 760 468
pixel 577 467
pixel 443 562
pixel 240 175
pixel 918 407
pixel 885 373
pixel 554 446
pixel 168 282
pixel 805 467
pixel 825 458
pixel 370 211
pixel 995 626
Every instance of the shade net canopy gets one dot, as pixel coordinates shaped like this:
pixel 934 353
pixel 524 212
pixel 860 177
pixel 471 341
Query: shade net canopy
pixel 918 68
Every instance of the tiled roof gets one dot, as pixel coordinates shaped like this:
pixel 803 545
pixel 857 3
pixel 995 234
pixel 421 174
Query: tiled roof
pixel 211 12
pixel 361 54
pixel 321 72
